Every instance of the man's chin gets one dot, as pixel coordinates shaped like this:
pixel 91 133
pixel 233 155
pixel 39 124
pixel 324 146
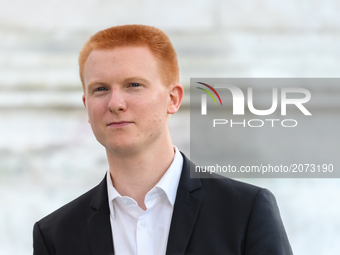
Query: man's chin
pixel 126 149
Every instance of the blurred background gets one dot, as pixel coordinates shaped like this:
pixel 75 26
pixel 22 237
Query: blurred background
pixel 48 154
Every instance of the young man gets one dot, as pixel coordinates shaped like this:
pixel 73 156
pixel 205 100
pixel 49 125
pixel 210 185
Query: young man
pixel 147 203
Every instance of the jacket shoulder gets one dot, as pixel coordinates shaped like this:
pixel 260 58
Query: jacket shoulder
pixel 74 212
pixel 233 191
pixel 65 231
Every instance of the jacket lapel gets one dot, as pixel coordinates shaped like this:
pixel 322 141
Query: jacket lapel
pixel 98 224
pixel 185 212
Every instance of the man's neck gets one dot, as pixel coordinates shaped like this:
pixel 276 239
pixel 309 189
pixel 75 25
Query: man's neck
pixel 137 174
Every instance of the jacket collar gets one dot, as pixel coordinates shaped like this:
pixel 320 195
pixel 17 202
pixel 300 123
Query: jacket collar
pixel 98 224
pixel 185 212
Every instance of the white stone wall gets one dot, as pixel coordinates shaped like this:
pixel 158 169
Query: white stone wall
pixel 48 155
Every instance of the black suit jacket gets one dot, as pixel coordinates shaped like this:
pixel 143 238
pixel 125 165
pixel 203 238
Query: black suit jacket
pixel 211 216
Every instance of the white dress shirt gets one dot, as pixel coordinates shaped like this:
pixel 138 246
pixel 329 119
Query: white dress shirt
pixel 136 231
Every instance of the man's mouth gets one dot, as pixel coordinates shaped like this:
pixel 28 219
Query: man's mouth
pixel 118 124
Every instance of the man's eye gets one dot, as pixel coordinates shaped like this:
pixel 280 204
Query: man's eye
pixel 100 89
pixel 135 84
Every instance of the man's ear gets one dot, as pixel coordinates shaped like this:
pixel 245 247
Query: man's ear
pixel 175 97
pixel 84 100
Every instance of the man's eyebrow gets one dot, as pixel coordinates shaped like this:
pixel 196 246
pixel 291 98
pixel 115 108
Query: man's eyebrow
pixel 136 78
pixel 129 79
pixel 91 84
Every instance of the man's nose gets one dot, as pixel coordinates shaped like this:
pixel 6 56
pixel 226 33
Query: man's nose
pixel 117 101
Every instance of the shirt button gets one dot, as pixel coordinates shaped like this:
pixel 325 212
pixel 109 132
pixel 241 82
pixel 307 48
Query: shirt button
pixel 143 224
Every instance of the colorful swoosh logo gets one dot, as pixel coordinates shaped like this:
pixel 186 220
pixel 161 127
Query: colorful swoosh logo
pixel 209 93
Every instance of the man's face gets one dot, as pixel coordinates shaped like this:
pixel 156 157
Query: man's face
pixel 126 101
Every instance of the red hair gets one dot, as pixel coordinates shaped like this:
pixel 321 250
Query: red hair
pixel 135 35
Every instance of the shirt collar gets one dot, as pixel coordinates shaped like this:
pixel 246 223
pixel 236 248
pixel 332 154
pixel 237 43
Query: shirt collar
pixel 112 192
pixel 168 183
